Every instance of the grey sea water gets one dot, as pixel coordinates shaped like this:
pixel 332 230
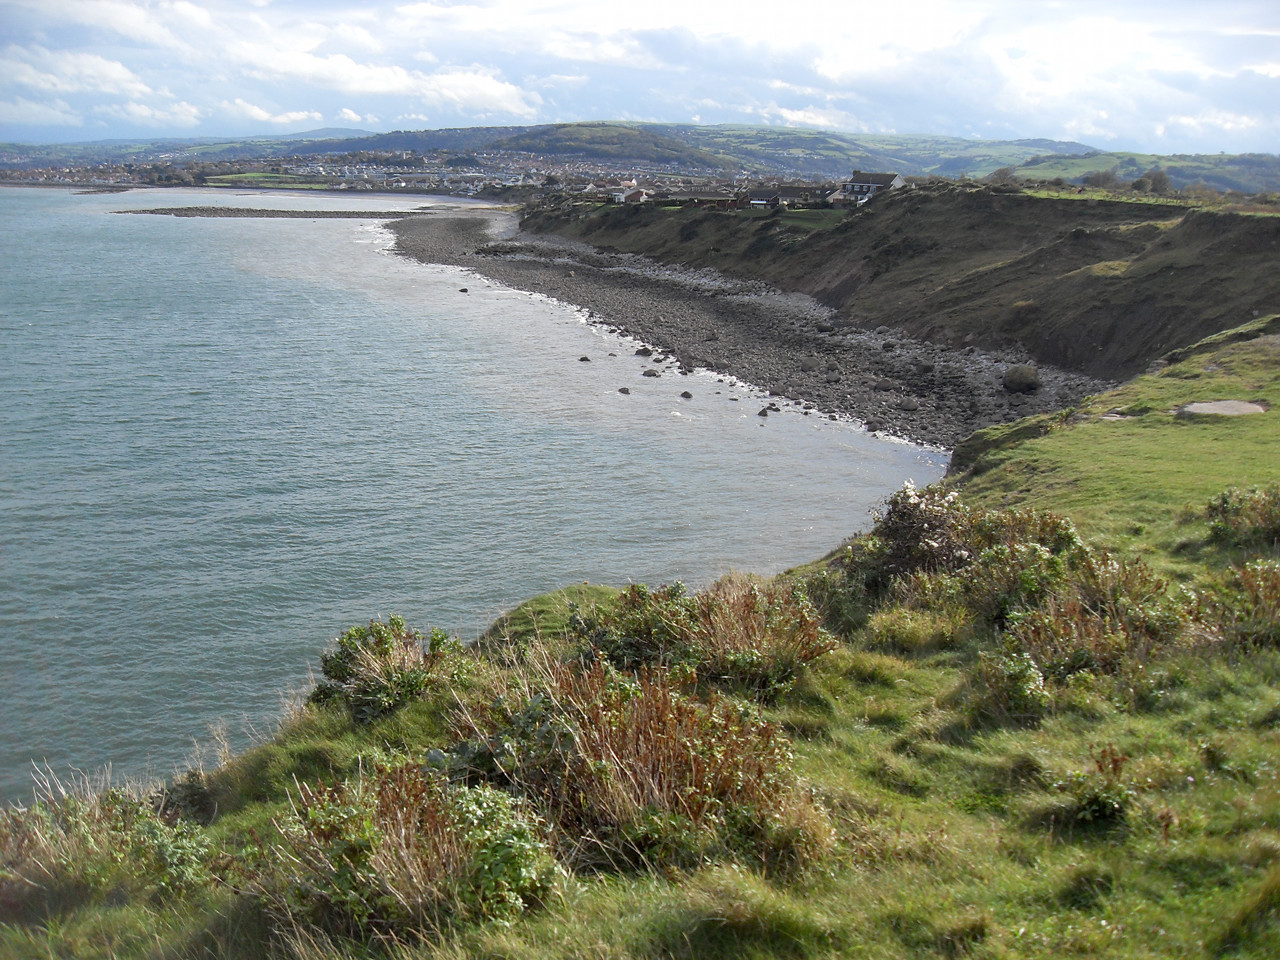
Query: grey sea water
pixel 223 441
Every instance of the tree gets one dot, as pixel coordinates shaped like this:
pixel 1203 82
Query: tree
pixel 1103 179
pixel 1159 180
pixel 1003 177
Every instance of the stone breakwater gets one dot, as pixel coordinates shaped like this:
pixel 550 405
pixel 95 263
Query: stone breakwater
pixel 786 343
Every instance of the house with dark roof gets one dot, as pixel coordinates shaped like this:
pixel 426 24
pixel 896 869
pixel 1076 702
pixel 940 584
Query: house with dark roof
pixel 861 187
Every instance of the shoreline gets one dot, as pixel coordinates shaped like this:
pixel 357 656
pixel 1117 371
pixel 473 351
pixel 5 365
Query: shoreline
pixel 785 343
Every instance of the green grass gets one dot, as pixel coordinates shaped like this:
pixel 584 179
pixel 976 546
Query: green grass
pixel 1128 468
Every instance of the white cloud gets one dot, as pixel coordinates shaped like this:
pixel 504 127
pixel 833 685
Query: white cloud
pixel 180 114
pixel 810 117
pixel 1100 70
pixel 136 21
pixel 254 112
pixel 52 113
pixel 64 72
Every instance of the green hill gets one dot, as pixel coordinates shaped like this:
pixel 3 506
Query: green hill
pixel 1244 173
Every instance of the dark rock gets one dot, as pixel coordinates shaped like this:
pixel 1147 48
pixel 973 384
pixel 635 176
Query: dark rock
pixel 808 365
pixel 884 384
pixel 873 425
pixel 584 359
pixel 924 366
pixel 909 404
pixel 1021 378
pixel 889 345
pixel 825 327
pixel 686 394
pixel 462 290
pixel 626 390
pixel 764 412
pixel 644 352
pixel 651 373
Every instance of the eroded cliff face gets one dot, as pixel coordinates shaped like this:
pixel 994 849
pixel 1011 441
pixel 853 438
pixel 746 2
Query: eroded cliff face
pixel 1099 287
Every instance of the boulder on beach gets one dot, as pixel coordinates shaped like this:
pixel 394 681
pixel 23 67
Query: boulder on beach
pixel 1021 378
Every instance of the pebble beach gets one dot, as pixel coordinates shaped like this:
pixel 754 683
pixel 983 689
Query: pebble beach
pixel 785 343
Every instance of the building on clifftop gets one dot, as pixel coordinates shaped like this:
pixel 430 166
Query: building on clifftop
pixel 861 187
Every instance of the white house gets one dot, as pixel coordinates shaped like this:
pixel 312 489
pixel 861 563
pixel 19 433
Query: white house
pixel 861 187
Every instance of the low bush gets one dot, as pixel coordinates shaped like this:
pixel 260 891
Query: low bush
pixel 739 633
pixel 1106 615
pixel 632 773
pixel 1249 518
pixel 1246 605
pixel 1100 793
pixel 1001 559
pixel 1005 687
pixel 400 852
pixel 80 842
pixel 378 668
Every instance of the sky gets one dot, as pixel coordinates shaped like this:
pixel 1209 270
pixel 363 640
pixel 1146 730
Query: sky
pixel 1174 76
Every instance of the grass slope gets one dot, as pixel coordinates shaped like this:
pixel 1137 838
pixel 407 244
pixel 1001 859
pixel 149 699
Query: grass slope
pixel 1128 467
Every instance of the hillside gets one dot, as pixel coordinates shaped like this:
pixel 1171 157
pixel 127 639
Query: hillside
pixel 611 141
pixel 1244 173
pixel 1093 285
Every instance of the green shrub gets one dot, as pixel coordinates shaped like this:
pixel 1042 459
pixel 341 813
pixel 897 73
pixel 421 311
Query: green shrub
pixel 1001 559
pixel 738 633
pixel 378 668
pixel 1006 686
pixel 1248 518
pixel 1100 793
pixel 79 843
pixel 401 851
pixel 1104 616
pixel 1246 606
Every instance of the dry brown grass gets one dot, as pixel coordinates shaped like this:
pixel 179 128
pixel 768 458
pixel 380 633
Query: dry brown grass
pixel 634 773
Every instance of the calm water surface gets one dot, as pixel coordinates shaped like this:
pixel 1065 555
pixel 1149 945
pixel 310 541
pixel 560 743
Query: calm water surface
pixel 223 441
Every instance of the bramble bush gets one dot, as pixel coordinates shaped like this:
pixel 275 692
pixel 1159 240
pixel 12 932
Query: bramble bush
pixel 76 842
pixel 1245 606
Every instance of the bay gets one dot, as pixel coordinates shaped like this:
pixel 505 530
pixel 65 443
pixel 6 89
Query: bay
pixel 223 441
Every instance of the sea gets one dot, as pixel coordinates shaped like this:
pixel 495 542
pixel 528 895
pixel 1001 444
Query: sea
pixel 223 441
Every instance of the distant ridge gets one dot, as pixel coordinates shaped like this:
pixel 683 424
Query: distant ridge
pixel 759 152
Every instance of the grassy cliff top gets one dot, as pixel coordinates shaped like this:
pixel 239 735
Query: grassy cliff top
pixel 980 729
